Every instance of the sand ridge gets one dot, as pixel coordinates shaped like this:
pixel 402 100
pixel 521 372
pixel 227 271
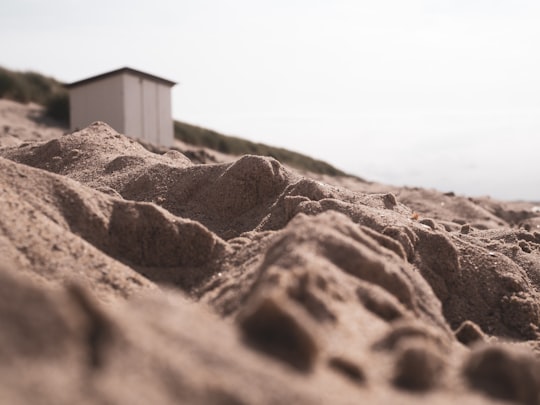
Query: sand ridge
pixel 166 280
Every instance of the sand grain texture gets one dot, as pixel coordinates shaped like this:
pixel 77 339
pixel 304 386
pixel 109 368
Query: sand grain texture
pixel 130 276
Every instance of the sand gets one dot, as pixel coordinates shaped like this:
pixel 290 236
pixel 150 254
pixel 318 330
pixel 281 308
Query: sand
pixel 129 276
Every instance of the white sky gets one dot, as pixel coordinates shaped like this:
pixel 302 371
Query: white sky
pixel 434 93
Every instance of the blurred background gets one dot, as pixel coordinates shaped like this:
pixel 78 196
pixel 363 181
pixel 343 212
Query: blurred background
pixel 432 93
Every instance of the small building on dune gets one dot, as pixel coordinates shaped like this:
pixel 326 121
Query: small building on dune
pixel 134 103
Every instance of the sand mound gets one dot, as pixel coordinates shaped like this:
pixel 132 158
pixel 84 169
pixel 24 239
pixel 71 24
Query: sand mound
pixel 132 277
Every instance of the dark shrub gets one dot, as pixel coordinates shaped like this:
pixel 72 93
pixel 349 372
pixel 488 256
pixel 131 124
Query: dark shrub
pixel 57 107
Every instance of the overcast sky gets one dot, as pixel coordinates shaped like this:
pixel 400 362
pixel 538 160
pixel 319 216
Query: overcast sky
pixel 434 93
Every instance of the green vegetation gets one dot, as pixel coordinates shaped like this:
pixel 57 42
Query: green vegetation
pixel 26 87
pixel 198 136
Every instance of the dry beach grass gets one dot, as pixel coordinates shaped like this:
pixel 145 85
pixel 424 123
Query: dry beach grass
pixel 134 277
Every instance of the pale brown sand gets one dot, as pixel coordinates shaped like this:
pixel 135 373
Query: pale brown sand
pixel 133 277
pixel 21 122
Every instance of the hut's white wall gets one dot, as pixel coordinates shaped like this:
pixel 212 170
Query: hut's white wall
pixel 97 101
pixel 133 106
pixel 147 110
pixel 150 122
pixel 166 128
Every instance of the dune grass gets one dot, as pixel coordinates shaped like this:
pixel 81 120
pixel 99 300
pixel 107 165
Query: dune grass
pixel 26 87
pixel 198 136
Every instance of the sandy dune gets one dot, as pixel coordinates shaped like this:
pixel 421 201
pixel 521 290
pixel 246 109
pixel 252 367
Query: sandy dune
pixel 134 277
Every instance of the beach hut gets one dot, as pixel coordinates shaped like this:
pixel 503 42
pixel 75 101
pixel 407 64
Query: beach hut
pixel 134 103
